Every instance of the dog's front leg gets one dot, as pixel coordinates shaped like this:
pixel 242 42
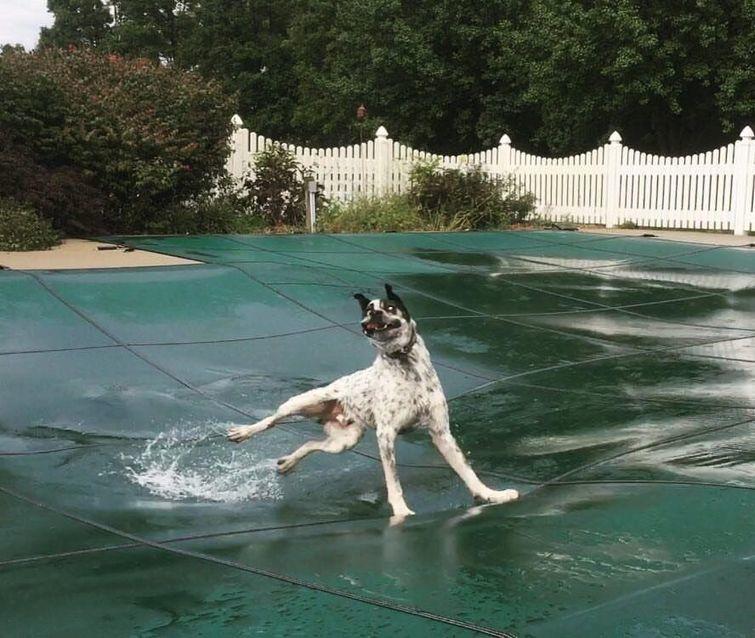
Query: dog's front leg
pixel 444 441
pixel 304 403
pixel 386 436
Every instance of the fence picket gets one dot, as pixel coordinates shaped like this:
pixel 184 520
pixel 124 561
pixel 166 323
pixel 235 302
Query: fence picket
pixel 609 184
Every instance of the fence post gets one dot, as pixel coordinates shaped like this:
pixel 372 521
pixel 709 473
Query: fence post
pixel 504 154
pixel 239 147
pixel 383 158
pixel 744 153
pixel 611 201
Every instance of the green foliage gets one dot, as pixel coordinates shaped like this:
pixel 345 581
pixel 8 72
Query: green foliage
pixel 394 213
pixel 439 199
pixel 22 228
pixel 453 75
pixel 277 188
pixel 458 199
pixel 79 22
pixel 144 136
pixel 628 225
pixel 223 210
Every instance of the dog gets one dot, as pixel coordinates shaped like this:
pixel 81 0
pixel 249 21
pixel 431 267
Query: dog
pixel 398 392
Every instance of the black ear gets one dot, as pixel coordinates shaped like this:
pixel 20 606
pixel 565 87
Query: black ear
pixel 363 302
pixel 397 300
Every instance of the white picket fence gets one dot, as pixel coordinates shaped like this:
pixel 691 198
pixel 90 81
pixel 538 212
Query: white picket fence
pixel 610 185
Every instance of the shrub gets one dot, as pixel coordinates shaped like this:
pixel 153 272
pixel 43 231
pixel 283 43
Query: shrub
pixel 224 210
pixel 62 194
pixel 392 213
pixel 276 190
pixel 466 199
pixel 22 228
pixel 145 136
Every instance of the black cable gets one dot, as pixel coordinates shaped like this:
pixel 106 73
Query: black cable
pixel 291 580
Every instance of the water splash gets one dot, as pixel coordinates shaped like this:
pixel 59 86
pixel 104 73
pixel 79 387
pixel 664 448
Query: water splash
pixel 197 464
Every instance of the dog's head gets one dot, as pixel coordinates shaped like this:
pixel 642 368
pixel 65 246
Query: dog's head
pixel 386 322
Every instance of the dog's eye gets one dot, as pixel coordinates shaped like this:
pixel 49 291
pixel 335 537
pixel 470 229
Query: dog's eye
pixel 390 308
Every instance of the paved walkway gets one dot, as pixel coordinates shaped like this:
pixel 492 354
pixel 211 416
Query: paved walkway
pixel 695 237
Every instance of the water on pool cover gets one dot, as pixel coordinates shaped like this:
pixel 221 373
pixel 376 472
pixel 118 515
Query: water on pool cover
pixel 609 379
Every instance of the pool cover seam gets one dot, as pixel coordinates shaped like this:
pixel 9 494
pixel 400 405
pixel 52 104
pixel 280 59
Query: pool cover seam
pixel 672 258
pixel 238 410
pixel 326 267
pixel 233 408
pixel 571 364
pixel 285 578
pixel 640 448
pixel 596 340
pixel 606 307
pixel 481 313
pixel 598 269
pixel 36 558
pixel 182 382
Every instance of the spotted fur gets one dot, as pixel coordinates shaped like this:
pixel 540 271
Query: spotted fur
pixel 399 391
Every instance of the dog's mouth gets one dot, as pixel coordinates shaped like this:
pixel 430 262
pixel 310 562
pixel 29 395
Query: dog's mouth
pixel 375 326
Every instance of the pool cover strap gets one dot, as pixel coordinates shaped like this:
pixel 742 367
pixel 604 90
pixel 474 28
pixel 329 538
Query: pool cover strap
pixel 375 602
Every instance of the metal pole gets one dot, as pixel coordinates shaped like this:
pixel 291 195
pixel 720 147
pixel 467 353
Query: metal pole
pixel 311 205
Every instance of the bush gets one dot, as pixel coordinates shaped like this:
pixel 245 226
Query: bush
pixel 22 228
pixel 276 190
pixel 392 213
pixel 224 210
pixel 457 199
pixel 142 137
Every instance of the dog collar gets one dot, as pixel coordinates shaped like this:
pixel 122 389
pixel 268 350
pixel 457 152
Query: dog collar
pixel 403 353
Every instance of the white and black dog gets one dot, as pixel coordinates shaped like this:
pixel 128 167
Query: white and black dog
pixel 399 391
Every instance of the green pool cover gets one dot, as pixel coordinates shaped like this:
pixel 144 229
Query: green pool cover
pixel 610 379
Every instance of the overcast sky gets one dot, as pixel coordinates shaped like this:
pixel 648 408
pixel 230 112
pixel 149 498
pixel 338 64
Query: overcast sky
pixel 21 20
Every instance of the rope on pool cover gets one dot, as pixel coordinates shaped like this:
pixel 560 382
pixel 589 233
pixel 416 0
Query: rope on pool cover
pixel 291 580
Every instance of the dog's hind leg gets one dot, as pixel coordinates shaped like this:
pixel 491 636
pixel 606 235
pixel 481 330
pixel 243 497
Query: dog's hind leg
pixel 310 403
pixel 340 438
pixel 449 449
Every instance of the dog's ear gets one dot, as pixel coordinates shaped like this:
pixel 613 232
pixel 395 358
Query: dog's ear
pixel 363 302
pixel 392 296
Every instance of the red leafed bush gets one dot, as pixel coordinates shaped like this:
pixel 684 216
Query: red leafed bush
pixel 129 136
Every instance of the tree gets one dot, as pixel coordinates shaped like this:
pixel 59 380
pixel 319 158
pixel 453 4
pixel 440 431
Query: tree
pixel 153 29
pixel 453 75
pixel 77 22
pixel 419 67
pixel 663 74
pixel 243 45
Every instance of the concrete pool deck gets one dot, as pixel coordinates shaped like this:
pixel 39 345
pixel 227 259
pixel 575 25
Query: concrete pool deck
pixel 691 236
pixel 82 253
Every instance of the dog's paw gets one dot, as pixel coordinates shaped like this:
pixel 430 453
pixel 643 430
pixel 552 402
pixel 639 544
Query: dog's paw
pixel 499 496
pixel 239 434
pixel 400 514
pixel 286 464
